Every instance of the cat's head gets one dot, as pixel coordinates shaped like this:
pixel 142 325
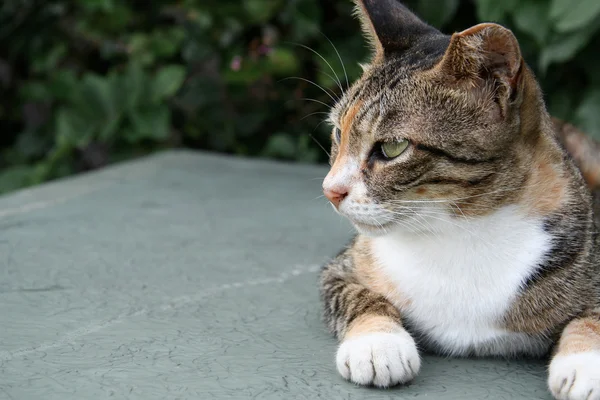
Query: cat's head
pixel 434 126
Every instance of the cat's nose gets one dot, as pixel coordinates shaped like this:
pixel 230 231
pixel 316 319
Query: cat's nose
pixel 336 195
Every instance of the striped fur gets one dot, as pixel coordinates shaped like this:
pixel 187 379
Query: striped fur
pixel 480 238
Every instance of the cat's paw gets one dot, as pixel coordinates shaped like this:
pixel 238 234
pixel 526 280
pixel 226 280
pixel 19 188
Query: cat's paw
pixel 380 359
pixel 575 376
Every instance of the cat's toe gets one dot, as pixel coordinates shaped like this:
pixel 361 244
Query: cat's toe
pixel 575 376
pixel 379 359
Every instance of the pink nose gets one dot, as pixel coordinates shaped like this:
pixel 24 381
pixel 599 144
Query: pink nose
pixel 336 195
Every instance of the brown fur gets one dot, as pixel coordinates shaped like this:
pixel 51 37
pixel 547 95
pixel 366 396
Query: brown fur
pixel 348 299
pixel 546 188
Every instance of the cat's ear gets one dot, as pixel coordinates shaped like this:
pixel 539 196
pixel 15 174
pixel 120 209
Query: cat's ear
pixel 390 26
pixel 486 55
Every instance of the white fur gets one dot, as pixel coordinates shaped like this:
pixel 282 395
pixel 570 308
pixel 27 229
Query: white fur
pixel 575 376
pixel 462 277
pixel 380 359
pixel 345 177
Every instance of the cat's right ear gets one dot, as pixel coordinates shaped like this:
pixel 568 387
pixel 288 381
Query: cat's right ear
pixel 390 27
pixel 484 56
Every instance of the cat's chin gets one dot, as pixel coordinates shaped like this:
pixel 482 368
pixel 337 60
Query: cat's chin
pixel 373 230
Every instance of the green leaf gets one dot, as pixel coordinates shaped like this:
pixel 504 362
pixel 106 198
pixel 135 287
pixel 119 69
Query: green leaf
pixel 63 85
pixel 139 49
pixel 167 82
pixel 166 43
pixel 587 116
pixel 303 19
pixel 109 129
pixel 195 50
pixel 150 124
pixel 95 99
pixel 570 15
pixel 249 72
pixel 98 5
pixel 494 10
pixel 437 12
pixel 71 130
pixel 35 91
pixel 531 16
pixel 260 11
pixel 130 87
pixel 562 48
pixel 559 8
pixel 50 60
pixel 16 177
pixel 41 172
pixel 283 61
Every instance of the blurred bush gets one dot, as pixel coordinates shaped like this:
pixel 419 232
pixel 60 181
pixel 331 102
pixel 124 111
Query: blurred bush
pixel 88 82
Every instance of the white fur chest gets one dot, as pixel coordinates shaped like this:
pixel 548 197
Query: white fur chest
pixel 460 281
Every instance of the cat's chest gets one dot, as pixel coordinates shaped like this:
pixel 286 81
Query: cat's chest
pixel 458 285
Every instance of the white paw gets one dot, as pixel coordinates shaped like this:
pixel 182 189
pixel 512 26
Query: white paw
pixel 380 359
pixel 575 376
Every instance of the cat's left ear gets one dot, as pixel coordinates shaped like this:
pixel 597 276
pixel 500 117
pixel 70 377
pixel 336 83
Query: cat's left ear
pixel 484 55
pixel 391 27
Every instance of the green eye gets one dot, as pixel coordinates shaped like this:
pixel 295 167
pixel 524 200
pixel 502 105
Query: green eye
pixel 394 149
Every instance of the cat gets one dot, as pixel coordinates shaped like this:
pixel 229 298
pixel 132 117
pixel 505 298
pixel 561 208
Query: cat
pixel 476 234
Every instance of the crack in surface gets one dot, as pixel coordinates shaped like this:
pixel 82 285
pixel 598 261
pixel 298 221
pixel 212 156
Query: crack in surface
pixel 40 205
pixel 175 303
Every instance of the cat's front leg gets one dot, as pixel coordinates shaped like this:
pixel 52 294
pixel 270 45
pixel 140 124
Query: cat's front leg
pixel 574 372
pixel 375 349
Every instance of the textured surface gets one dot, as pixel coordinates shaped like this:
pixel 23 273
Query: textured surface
pixel 189 276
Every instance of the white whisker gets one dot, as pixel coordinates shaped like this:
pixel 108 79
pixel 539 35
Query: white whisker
pixel 339 57
pixel 316 101
pixel 336 80
pixel 313 113
pixel 327 92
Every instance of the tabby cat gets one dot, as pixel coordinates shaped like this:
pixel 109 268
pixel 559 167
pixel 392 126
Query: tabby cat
pixel 476 235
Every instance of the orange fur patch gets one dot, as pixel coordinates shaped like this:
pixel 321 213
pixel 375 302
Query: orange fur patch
pixel 370 275
pixel 348 119
pixel 579 336
pixel 545 190
pixel 346 125
pixel 369 323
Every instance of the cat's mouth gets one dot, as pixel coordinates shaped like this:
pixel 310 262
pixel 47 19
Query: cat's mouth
pixel 367 221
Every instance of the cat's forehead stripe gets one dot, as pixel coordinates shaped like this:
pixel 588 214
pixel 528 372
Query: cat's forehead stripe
pixel 368 96
pixel 368 107
pixel 349 118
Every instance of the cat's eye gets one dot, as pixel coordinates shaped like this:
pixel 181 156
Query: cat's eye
pixel 393 149
pixel 337 134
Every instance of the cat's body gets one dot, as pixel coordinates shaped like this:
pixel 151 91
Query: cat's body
pixel 476 232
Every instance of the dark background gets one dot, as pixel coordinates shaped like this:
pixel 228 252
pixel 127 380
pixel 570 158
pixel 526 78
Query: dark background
pixel 84 83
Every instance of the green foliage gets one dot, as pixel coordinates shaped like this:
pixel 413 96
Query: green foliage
pixel 84 83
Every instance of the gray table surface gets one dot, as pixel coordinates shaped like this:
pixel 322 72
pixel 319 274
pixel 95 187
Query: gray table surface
pixel 189 275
